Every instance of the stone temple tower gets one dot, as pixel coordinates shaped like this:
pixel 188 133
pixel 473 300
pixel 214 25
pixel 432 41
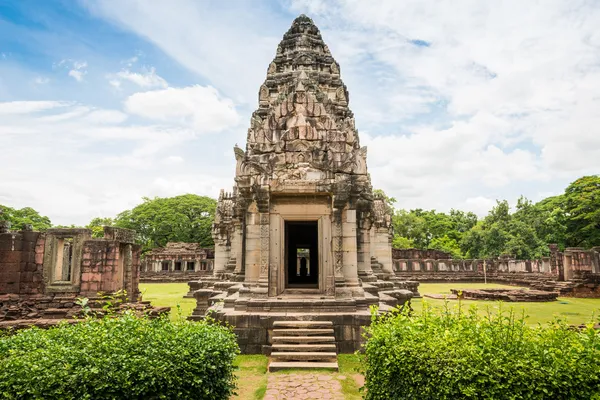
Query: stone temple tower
pixel 301 231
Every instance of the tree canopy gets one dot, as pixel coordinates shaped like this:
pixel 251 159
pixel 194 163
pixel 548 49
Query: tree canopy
pixel 185 218
pixel 26 215
pixel 570 219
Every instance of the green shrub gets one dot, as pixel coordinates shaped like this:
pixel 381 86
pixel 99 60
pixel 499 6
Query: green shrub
pixel 119 358
pixel 452 354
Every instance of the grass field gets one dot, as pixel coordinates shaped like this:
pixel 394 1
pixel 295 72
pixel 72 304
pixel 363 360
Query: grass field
pixel 576 311
pixel 169 295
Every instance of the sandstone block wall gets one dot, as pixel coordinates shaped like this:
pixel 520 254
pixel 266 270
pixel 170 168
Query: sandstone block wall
pixel 43 274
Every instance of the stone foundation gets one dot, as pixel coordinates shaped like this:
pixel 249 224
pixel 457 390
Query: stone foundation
pixel 510 295
pixel 171 276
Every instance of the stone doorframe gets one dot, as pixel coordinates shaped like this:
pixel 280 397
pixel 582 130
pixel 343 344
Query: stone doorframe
pixel 277 263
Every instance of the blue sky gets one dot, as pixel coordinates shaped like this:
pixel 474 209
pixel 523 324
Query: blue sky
pixel 103 102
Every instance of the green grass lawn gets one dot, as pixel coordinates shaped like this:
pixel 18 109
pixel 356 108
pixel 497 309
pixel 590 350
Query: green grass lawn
pixel 575 311
pixel 169 295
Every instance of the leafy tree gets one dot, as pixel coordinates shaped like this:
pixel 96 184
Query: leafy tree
pixel 447 244
pixel 410 225
pixel 97 226
pixel 185 218
pixel 400 242
pixel 582 207
pixel 26 215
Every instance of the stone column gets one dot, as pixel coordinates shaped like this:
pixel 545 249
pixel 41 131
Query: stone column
pixel 265 228
pixel 222 254
pixel 236 247
pixel 383 249
pixel 364 251
pixel 337 238
pixel 568 265
pixel 595 253
pixel 171 265
pixel 349 244
pixel 253 245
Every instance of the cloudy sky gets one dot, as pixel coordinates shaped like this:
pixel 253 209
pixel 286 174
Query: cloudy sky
pixel 460 103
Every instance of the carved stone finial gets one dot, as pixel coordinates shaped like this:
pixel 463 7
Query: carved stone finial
pixel 263 94
pixel 335 69
pixel 239 153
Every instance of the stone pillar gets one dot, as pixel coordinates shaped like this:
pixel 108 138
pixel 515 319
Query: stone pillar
pixel 364 251
pixel 202 297
pixel 349 244
pixel 265 228
pixel 253 245
pixel 568 265
pixel 171 265
pixel 383 249
pixel 595 253
pixel 222 254
pixel 337 238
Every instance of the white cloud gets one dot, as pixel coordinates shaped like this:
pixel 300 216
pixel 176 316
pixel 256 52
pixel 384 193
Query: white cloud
pixel 76 74
pixel 146 79
pixel 505 101
pixel 459 103
pixel 41 80
pixel 197 106
pixel 73 161
pixel 78 70
pixel 27 107
pixel 229 46
pixel 172 160
pixel 479 205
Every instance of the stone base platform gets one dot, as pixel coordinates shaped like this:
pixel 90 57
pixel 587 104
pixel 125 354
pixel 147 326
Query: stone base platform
pixel 505 295
pixel 254 327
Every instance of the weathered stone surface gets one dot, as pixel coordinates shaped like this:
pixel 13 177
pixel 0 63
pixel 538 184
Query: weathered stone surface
pixel 43 274
pixel 301 232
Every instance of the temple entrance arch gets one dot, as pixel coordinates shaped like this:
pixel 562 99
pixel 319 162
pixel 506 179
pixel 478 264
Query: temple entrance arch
pixel 302 254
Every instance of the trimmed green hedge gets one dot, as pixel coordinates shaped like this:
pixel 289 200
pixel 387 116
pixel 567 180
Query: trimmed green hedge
pixel 452 354
pixel 119 358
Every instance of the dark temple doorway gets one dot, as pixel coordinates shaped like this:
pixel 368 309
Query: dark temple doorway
pixel 302 254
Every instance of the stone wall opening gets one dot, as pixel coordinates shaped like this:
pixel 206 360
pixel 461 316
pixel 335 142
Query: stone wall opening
pixel 64 259
pixel 190 266
pixel 302 254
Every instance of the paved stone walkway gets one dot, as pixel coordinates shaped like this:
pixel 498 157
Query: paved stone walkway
pixel 304 386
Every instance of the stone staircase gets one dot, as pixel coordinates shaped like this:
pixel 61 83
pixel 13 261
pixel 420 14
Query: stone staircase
pixel 303 345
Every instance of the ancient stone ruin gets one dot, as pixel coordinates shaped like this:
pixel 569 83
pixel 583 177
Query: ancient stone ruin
pixel 509 295
pixel 301 242
pixel 43 274
pixel 574 272
pixel 176 262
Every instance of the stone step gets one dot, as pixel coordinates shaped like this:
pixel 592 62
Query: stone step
pixel 304 347
pixel 302 365
pixel 303 339
pixel 302 324
pixel 304 356
pixel 303 332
